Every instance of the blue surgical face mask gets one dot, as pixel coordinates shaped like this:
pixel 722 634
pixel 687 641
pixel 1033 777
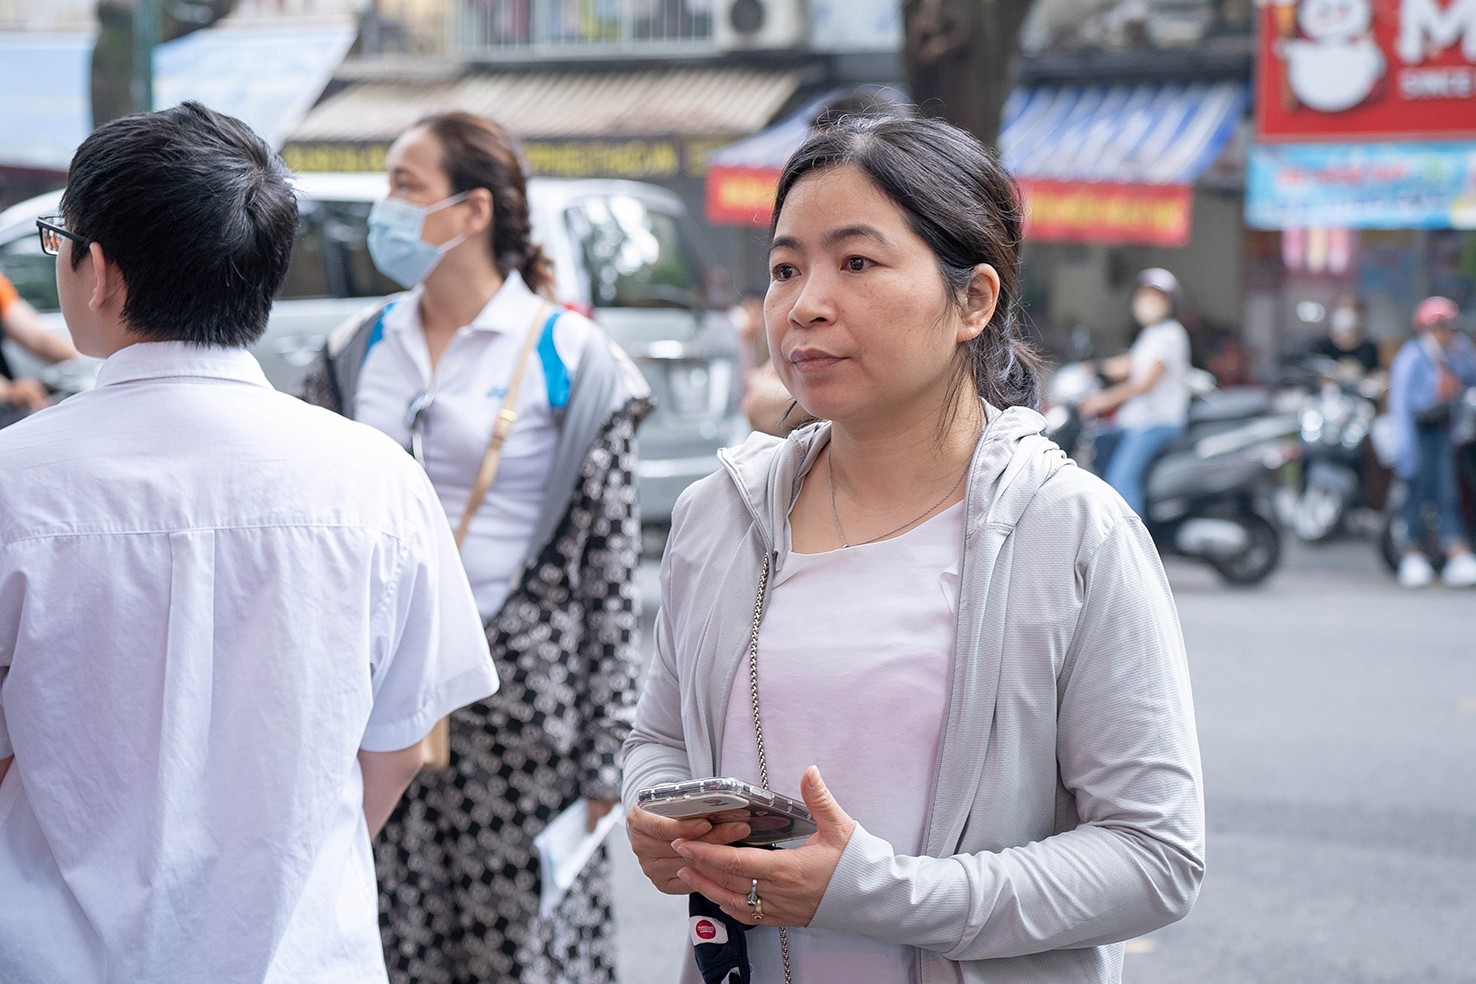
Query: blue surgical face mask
pixel 395 245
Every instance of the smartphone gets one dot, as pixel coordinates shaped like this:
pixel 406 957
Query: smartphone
pixel 772 818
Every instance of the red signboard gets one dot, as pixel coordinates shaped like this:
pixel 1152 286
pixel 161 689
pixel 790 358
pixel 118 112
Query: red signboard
pixel 1366 69
pixel 1092 212
pixel 741 195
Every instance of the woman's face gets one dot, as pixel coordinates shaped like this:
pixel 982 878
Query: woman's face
pixel 415 176
pixel 860 325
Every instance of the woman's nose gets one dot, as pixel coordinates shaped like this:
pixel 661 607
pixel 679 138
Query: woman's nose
pixel 814 302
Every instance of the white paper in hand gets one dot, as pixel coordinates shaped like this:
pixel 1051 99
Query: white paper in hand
pixel 565 847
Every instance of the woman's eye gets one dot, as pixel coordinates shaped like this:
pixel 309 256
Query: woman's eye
pixel 782 271
pixel 856 264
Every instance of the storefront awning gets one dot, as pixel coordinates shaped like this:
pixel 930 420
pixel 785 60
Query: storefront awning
pixel 1116 164
pixel 1111 164
pixel 47 109
pixel 639 123
pixel 742 177
pixel 266 75
pixel 1366 185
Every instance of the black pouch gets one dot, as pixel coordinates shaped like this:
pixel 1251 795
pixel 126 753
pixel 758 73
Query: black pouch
pixel 725 959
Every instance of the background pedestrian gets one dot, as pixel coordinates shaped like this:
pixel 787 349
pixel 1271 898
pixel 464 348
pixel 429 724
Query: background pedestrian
pixel 551 551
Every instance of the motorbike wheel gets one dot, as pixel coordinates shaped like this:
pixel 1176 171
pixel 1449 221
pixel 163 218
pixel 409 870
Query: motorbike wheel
pixel 1318 513
pixel 1255 562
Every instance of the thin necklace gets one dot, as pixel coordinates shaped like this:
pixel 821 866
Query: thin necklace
pixel 835 514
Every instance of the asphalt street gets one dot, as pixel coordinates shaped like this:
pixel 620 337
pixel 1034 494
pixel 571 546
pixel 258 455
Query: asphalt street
pixel 1337 721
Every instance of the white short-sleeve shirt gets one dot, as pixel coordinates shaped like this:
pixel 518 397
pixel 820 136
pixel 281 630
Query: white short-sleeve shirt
pixel 212 596
pixel 1167 403
pixel 467 388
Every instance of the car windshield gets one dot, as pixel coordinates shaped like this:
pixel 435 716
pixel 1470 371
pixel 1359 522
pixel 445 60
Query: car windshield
pixel 31 271
pixel 634 254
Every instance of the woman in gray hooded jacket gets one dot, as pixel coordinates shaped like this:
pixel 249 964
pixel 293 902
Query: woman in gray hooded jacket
pixel 971 637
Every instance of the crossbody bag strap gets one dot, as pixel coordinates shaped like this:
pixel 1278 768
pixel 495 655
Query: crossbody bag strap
pixel 501 428
pixel 758 727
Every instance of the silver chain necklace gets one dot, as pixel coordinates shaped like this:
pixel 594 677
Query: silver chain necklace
pixel 835 514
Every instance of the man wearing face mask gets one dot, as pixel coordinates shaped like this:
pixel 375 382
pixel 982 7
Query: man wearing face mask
pixel 1150 390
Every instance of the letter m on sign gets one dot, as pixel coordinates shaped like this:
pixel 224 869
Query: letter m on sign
pixel 1428 27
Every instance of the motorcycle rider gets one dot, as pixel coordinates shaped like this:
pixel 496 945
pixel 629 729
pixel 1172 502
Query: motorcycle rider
pixel 1430 375
pixel 20 324
pixel 1151 387
pixel 1345 343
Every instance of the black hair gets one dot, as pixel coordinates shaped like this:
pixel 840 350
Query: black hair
pixel 478 153
pixel 198 214
pixel 959 200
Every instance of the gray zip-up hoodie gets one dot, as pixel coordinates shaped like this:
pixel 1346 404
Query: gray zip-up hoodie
pixel 1066 814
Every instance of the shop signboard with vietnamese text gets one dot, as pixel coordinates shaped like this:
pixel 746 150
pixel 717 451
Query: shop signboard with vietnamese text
pixel 1108 213
pixel 1367 186
pixel 1366 69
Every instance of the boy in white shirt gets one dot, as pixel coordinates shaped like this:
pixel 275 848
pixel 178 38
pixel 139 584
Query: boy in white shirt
pixel 227 619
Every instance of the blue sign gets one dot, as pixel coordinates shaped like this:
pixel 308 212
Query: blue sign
pixel 1362 186
pixel 46 79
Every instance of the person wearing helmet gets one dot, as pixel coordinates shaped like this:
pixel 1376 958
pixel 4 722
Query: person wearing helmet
pixel 1429 377
pixel 1151 387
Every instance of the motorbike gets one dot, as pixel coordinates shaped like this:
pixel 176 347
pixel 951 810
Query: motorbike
pixel 1336 426
pixel 1210 492
pixel 1395 536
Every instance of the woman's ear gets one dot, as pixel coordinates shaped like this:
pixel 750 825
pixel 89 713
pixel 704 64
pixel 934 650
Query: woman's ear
pixel 480 200
pixel 981 297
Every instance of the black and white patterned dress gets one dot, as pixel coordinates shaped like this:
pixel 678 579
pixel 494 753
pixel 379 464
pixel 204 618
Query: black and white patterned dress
pixel 458 874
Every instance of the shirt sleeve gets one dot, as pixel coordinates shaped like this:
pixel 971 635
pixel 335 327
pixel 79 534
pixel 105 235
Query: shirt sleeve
pixel 436 657
pixel 8 295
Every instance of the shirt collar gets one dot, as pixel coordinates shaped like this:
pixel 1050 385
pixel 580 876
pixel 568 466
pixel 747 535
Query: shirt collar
pixel 159 360
pixel 506 312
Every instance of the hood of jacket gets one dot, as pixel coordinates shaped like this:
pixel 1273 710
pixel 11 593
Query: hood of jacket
pixel 1012 460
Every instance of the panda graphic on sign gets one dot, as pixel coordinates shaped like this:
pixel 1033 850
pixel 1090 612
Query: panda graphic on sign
pixel 1334 64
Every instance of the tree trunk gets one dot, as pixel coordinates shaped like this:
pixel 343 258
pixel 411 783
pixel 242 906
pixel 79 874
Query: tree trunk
pixel 112 54
pixel 960 56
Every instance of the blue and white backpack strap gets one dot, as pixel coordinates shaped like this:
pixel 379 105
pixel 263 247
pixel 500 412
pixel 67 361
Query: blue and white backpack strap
pixel 376 333
pixel 555 373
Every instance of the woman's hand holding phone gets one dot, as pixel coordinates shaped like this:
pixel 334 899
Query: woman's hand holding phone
pixel 651 838
pixel 791 883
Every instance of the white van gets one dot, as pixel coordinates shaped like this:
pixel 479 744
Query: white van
pixel 622 254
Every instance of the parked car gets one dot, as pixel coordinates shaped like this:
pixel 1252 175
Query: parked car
pixel 622 253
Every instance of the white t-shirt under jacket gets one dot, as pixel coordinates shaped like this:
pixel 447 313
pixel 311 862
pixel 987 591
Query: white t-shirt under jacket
pixel 212 596
pixel 874 623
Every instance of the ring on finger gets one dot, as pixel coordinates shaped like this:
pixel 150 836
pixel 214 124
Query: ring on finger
pixel 755 904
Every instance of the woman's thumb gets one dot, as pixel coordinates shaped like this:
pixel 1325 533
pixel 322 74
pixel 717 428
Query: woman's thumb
pixel 823 807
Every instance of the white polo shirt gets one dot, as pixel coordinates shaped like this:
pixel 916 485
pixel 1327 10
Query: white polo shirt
pixel 212 595
pixel 467 388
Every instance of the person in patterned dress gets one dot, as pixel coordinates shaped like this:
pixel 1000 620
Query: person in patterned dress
pixel 551 554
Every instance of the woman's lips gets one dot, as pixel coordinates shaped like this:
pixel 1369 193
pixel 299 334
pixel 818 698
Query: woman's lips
pixel 812 360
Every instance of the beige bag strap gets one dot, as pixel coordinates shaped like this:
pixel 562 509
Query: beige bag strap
pixel 436 752
pixel 501 428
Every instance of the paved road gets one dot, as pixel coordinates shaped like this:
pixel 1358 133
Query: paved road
pixel 1337 718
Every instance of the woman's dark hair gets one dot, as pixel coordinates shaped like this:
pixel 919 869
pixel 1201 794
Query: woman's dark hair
pixel 477 153
pixel 960 201
pixel 198 214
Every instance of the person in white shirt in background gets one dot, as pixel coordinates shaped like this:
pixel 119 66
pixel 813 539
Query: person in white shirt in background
pixel 227 619
pixel 1151 390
